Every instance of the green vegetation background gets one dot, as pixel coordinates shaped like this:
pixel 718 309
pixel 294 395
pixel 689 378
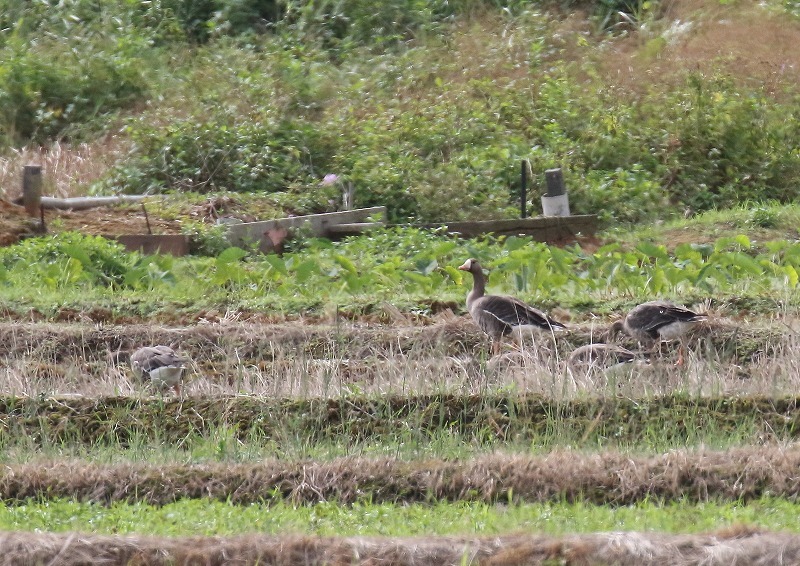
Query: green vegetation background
pixel 425 107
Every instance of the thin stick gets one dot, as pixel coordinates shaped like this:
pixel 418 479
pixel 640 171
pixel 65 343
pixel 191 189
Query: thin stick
pixel 146 219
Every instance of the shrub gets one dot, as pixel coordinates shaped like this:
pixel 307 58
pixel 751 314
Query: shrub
pixel 45 90
pixel 222 153
pixel 728 146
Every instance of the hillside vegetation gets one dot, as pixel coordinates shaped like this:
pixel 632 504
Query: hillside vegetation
pixel 425 107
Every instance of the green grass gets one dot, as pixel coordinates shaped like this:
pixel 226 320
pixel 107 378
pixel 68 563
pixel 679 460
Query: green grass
pixel 75 273
pixel 222 447
pixel 761 221
pixel 421 109
pixel 413 426
pixel 637 427
pixel 200 517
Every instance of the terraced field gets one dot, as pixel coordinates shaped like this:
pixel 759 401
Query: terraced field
pixel 405 441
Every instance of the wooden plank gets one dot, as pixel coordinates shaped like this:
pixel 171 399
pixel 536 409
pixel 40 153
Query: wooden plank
pixel 173 244
pixel 82 203
pixel 541 228
pixel 258 233
pixel 352 228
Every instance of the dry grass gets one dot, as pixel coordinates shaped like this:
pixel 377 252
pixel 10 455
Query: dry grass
pixel 605 478
pixel 726 548
pixel 743 40
pixel 318 360
pixel 68 169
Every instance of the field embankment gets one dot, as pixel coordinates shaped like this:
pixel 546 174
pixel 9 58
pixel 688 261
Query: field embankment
pixel 734 546
pixel 604 478
pixel 350 419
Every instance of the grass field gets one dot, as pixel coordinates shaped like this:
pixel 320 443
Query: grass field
pixel 398 437
pixel 215 518
pixel 340 406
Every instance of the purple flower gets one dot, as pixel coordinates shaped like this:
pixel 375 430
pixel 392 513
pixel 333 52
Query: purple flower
pixel 329 179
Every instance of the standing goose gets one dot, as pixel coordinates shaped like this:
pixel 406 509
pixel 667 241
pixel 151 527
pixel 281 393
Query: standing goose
pixel 161 365
pixel 498 315
pixel 658 321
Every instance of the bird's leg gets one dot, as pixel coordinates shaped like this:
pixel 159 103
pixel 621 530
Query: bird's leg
pixel 680 361
pixel 495 347
pixel 177 388
pixel 655 349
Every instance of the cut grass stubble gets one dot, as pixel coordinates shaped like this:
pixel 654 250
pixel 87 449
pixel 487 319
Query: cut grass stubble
pixel 562 476
pixel 329 361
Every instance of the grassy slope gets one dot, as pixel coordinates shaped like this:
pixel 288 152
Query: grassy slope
pixel 483 49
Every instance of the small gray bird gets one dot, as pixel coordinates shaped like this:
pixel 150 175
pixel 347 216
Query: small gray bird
pixel 161 365
pixel 657 321
pixel 499 315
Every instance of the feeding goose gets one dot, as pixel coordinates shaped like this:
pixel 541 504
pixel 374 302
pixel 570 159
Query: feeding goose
pixel 658 321
pixel 604 357
pixel 161 365
pixel 601 355
pixel 499 315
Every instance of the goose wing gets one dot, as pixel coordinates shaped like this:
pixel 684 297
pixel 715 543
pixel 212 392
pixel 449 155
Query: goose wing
pixel 151 358
pixel 511 312
pixel 654 316
pixel 650 317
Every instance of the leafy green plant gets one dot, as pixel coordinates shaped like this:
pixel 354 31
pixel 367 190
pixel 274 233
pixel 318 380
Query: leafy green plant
pixel 45 89
pixel 206 239
pixel 75 256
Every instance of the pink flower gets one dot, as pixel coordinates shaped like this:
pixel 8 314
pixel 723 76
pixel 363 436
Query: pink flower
pixel 329 179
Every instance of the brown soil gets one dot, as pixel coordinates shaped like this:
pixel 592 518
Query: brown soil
pixel 743 40
pixel 739 545
pixel 14 223
pixel 605 478
pixel 109 220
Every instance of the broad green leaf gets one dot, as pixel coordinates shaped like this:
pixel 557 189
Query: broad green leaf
pixel 791 275
pixel 743 241
pixel 231 255
pixel 426 267
pixel 80 254
pixel 561 259
pixel 722 243
pixel 776 246
pixel 455 274
pixel 514 243
pixel 305 270
pixel 658 281
pixel 345 263
pixel 416 277
pixel 354 283
pixel 276 263
pixel 607 249
pixel 652 250
pixel 688 252
pixel 444 248
pixel 746 263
